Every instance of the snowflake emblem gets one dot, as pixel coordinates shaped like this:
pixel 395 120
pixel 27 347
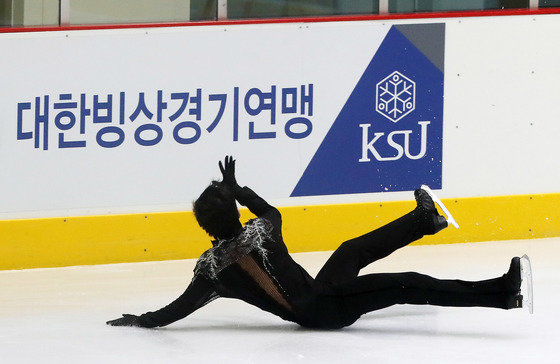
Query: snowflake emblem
pixel 395 96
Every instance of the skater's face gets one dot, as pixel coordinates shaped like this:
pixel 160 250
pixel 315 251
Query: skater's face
pixel 216 211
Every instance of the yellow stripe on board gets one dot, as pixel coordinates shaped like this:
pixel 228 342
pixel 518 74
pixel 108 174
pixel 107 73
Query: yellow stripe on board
pixel 57 242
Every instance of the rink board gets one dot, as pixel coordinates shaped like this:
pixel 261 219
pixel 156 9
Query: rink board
pixel 55 242
pixel 103 154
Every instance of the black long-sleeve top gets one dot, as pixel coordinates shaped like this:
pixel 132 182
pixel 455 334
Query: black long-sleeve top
pixel 254 266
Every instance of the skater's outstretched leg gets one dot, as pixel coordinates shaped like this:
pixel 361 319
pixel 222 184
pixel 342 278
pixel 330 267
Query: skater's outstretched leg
pixel 347 261
pixel 376 291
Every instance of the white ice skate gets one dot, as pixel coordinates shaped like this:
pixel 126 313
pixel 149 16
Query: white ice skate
pixel 438 202
pixel 527 282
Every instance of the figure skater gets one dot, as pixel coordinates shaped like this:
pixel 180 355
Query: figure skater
pixel 252 263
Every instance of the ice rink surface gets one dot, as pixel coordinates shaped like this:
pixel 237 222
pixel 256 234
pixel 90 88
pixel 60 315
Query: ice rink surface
pixel 58 316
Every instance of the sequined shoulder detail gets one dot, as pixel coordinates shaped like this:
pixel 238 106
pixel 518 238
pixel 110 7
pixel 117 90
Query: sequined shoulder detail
pixel 227 252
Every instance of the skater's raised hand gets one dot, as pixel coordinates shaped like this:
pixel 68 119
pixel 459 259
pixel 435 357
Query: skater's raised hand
pixel 228 171
pixel 126 320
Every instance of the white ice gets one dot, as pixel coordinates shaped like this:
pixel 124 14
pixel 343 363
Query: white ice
pixel 58 316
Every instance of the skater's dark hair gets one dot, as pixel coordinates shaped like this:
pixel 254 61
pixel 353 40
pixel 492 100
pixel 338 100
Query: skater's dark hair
pixel 216 211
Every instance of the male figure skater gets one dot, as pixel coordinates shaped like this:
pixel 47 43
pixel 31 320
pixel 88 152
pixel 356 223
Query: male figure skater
pixel 252 263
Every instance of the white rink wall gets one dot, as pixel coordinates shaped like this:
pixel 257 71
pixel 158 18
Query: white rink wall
pixel 500 120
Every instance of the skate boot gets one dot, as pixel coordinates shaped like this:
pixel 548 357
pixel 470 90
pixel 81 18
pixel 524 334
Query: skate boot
pixel 513 276
pixel 433 221
pixel 519 279
pixel 436 200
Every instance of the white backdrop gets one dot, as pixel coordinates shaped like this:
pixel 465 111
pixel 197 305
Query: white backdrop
pixel 500 113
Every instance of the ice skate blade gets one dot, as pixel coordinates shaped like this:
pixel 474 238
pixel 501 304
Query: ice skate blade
pixel 448 215
pixel 527 282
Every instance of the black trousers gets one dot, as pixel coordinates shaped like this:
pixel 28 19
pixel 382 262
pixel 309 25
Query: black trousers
pixel 355 295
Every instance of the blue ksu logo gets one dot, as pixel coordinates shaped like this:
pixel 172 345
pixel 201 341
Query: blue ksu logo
pixel 388 135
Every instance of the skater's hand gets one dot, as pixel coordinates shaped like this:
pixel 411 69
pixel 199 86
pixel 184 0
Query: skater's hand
pixel 228 171
pixel 126 320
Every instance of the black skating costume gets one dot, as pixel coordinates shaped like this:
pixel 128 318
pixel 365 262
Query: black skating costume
pixel 255 267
